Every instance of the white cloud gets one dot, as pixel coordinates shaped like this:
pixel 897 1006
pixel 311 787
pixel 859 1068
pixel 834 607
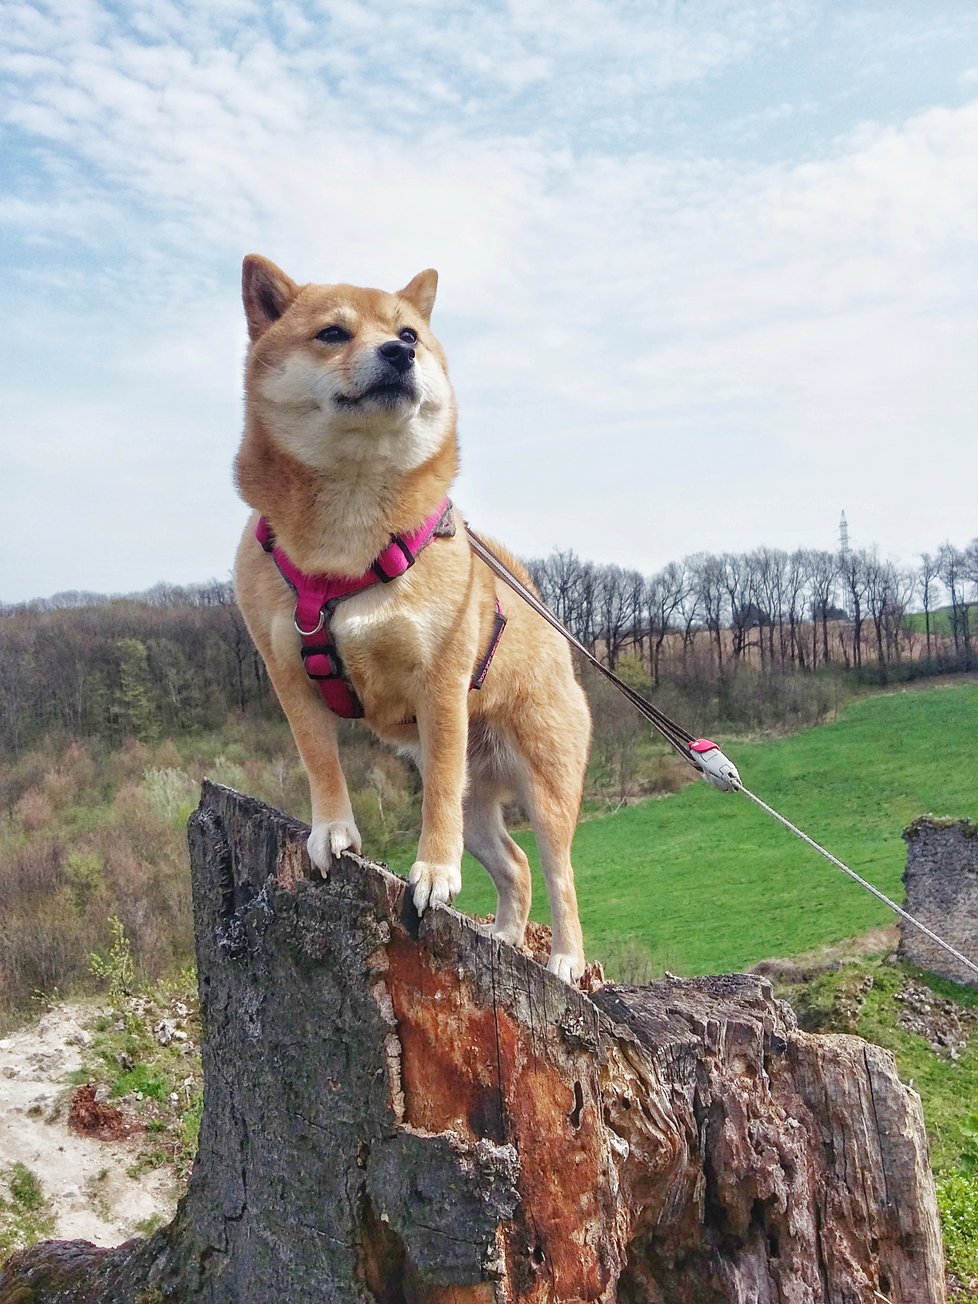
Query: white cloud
pixel 746 334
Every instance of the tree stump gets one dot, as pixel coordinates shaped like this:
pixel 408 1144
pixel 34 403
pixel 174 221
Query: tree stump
pixel 941 880
pixel 401 1112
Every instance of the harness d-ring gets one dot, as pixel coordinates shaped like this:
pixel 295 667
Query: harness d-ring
pixel 308 633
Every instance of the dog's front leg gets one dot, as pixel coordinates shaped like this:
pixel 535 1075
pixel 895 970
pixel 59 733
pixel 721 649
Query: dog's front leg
pixel 436 875
pixel 314 728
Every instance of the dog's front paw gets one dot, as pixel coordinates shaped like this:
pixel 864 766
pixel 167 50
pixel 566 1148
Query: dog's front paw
pixel 434 884
pixel 568 967
pixel 328 840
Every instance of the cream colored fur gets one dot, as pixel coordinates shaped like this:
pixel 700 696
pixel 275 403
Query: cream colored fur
pixel 338 465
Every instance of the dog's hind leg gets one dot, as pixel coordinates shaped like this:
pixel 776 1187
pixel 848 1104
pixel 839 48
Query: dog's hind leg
pixel 486 839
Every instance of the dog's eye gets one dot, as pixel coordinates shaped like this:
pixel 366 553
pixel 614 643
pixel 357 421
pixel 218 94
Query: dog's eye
pixel 408 335
pixel 334 335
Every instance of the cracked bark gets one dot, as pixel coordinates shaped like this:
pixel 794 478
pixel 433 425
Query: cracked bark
pixel 399 1113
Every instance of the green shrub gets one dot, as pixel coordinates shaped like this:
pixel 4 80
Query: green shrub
pixel 24 1215
pixel 116 968
pixel 957 1199
pixel 143 1080
pixel 171 793
pixel 25 1189
pixel 84 875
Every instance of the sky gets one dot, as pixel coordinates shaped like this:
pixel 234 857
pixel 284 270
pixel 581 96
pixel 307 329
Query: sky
pixel 708 271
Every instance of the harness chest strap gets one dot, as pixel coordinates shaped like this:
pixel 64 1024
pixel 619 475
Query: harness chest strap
pixel 318 595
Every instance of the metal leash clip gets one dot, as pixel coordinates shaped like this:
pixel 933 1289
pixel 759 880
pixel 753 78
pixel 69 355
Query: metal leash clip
pixel 715 768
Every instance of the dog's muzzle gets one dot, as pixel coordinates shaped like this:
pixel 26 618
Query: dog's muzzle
pixel 394 380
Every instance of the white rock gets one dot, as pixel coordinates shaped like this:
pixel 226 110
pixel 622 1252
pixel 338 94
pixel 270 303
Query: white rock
pixel 164 1032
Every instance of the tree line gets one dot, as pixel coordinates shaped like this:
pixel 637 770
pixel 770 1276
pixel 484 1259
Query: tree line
pixel 180 658
pixel 170 660
pixel 772 609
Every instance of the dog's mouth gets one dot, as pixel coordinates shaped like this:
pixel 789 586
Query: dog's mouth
pixel 385 393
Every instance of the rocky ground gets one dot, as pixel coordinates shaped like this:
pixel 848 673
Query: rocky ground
pixel 79 1148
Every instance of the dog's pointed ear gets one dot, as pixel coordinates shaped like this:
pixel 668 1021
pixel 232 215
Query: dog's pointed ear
pixel 421 292
pixel 266 292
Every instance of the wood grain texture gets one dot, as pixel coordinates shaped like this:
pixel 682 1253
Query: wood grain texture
pixel 406 1112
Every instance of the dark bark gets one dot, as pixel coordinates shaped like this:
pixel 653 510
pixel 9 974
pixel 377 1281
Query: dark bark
pixel 400 1113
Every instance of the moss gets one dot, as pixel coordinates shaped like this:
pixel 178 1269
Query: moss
pixel 968 828
pixel 25 1217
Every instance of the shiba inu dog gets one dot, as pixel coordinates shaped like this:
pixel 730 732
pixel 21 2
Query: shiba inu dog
pixel 348 454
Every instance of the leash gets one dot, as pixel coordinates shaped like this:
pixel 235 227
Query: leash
pixel 701 753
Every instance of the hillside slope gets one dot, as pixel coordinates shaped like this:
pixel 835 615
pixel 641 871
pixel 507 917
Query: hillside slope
pixel 703 882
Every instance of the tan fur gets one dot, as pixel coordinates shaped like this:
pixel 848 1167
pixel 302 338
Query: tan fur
pixel 336 475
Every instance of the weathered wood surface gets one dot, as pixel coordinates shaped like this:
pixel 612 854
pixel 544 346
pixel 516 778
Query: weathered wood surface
pixel 941 881
pixel 402 1114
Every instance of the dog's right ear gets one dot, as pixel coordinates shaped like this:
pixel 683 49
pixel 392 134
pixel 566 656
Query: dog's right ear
pixel 266 292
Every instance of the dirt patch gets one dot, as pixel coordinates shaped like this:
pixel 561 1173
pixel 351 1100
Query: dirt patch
pixel 90 1116
pixel 828 959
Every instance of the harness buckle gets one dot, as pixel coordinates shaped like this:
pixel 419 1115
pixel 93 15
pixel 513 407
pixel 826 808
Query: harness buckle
pixel 308 633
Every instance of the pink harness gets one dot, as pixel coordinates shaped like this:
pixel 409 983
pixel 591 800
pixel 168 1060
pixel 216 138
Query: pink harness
pixel 316 598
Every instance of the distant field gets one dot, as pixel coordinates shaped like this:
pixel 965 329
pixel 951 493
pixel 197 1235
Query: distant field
pixel 706 882
pixel 940 620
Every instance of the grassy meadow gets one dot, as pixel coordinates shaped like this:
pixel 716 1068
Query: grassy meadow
pixel 702 881
pixel 940 620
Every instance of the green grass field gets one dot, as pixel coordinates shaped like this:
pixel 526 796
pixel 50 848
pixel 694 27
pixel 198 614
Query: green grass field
pixel 940 620
pixel 705 882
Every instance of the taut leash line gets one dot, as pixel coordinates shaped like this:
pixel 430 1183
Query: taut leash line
pixel 673 733
pixel 864 883
pixel 701 753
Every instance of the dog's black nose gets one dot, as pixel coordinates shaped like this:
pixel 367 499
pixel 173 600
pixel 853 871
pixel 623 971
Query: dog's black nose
pixel 398 354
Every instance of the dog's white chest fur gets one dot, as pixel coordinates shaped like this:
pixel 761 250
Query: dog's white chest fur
pixel 376 616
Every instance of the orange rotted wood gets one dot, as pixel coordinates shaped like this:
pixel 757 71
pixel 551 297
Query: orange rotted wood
pixel 473 1068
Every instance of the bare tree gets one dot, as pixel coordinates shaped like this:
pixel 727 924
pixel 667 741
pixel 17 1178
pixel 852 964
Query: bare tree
pixel 711 588
pixel 769 567
pixel 736 578
pixel 888 593
pixel 635 603
pixel 556 578
pixel 954 577
pixel 929 574
pixel 666 595
pixel 567 586
pixel 612 610
pixel 796 596
pixel 852 569
pixel 823 576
